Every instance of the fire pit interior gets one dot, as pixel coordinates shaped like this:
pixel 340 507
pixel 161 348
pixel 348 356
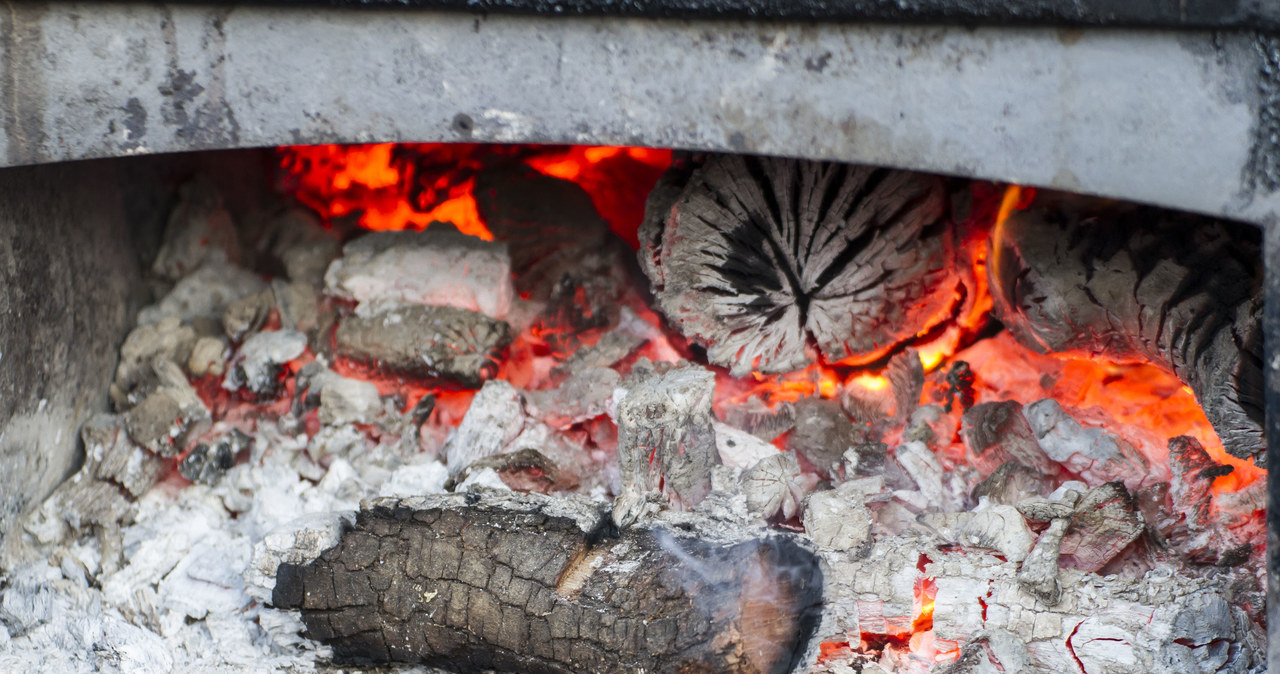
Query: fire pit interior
pixel 537 408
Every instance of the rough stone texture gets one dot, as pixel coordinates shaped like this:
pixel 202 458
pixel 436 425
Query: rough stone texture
pixel 767 87
pixel 68 282
pixel 516 587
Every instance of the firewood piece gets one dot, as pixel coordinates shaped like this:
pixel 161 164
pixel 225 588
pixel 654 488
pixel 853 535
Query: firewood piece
pixel 1012 483
pixel 526 584
pixel 208 356
pixel 1001 528
pixel 1191 488
pixel 995 434
pixel 1076 276
pixel 740 449
pixel 437 266
pixel 445 343
pixel 1104 523
pixel 761 420
pixel 775 486
pixel 838 519
pixel 203 294
pixel 494 421
pixel 526 470
pixel 135 377
pixel 665 439
pixel 162 421
pixel 247 314
pixel 759 259
pixel 1192 526
pixel 1039 572
pixel 905 373
pixel 990 652
pixel 111 457
pixel 550 226
pixel 823 433
pixel 584 395
pixel 1092 453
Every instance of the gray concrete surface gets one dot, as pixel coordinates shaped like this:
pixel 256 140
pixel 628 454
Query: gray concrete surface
pixel 1179 119
pixel 69 280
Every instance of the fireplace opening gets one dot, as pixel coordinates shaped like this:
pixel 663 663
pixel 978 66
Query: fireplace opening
pixel 570 408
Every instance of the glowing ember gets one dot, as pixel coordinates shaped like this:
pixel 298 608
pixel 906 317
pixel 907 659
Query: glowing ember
pixel 391 186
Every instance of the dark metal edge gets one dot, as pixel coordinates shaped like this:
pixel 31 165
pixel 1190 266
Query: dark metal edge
pixel 1271 354
pixel 1246 14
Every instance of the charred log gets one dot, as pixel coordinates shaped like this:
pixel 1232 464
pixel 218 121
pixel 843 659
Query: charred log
pixel 1182 291
pixel 770 262
pixel 527 586
pixel 442 343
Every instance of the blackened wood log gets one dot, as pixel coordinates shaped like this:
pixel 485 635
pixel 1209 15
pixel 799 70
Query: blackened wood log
pixel 528 586
pixel 1073 275
pixel 770 262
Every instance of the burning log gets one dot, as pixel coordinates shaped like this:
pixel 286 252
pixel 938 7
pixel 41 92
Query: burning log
pixel 763 260
pixel 446 343
pixel 526 584
pixel 665 439
pixel 1178 290
pixel 562 252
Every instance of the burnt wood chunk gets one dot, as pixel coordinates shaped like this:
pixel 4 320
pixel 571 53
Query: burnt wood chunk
pixel 563 253
pixel 524 588
pixel 770 262
pixel 430 342
pixel 666 442
pixel 1073 275
pixel 996 434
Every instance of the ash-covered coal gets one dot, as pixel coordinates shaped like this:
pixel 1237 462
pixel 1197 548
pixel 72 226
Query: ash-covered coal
pixel 549 477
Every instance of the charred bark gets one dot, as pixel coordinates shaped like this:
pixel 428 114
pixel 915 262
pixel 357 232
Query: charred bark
pixel 770 262
pixel 1078 276
pixel 522 587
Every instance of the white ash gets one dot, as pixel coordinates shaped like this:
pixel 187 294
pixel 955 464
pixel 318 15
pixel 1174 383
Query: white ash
pixel 438 266
pixel 775 486
pixel 256 366
pixel 199 230
pixel 740 449
pixel 208 356
pixel 1092 453
pixel 167 339
pixel 344 400
pixel 204 293
pixel 838 519
pixel 196 565
pixel 492 423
